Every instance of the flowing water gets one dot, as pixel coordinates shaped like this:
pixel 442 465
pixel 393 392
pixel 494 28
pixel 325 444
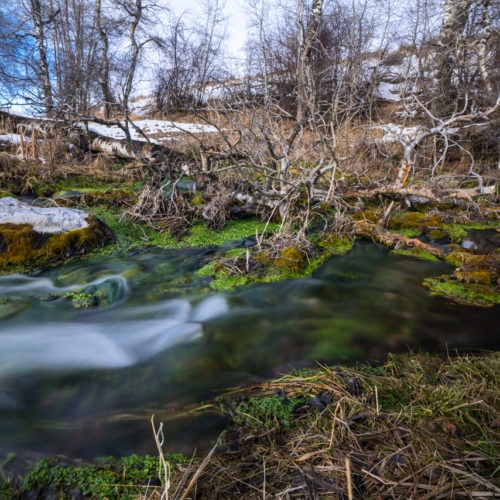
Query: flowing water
pixel 85 381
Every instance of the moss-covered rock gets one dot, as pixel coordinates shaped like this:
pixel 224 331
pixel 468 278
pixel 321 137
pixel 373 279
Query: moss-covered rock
pixel 21 246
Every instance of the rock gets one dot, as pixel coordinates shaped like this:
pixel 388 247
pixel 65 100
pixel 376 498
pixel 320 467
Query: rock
pixel 33 235
pixel 54 220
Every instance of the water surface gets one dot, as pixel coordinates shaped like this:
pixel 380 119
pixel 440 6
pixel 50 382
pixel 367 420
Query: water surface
pixel 85 382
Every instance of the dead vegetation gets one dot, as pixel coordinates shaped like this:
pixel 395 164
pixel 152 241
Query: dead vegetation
pixel 417 427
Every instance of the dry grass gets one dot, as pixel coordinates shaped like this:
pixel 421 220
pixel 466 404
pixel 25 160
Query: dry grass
pixel 418 427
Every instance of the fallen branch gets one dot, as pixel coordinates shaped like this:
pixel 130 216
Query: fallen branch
pixel 393 240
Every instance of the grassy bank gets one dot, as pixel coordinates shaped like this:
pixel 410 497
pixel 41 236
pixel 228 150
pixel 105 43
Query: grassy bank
pixel 416 427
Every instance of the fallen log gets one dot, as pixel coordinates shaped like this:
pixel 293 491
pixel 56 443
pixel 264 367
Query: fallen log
pixel 92 141
pixel 422 195
pixel 127 149
pixel 393 240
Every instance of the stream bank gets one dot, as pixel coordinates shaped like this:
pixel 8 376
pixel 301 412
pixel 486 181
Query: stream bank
pixel 414 425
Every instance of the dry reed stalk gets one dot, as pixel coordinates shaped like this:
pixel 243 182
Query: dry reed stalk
pixel 199 470
pixel 159 440
pixel 349 478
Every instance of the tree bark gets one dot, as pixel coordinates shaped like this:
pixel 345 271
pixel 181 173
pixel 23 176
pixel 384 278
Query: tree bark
pixel 305 83
pixel 104 76
pixel 43 66
pixel 456 14
pixel 483 48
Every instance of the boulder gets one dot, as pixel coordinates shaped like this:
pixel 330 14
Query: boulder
pixel 31 235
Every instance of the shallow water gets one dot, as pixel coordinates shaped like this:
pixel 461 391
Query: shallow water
pixel 85 382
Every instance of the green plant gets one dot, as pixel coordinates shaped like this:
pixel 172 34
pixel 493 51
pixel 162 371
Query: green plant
pixel 265 412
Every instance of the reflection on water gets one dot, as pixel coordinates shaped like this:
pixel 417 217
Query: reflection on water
pixel 85 382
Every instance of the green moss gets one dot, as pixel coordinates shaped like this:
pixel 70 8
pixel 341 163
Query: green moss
pixel 337 245
pixel 455 232
pixel 223 279
pixel 130 233
pixel 201 236
pixel 80 300
pixel 108 477
pixel 416 252
pixel 21 247
pixel 265 412
pixel 458 257
pixel 471 294
pixel 415 221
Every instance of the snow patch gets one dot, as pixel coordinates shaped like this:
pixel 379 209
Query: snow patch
pixel 11 138
pixel 54 220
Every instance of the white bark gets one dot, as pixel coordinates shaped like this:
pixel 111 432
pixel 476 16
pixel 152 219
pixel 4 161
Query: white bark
pixel 456 13
pixel 482 48
pixel 305 84
pixel 39 34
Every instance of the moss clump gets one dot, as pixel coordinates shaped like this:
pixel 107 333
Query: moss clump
pixel 371 215
pixel 287 259
pixel 201 236
pixel 266 412
pixel 290 259
pixel 22 247
pixel 482 276
pixel 458 257
pixel 469 294
pixel 416 252
pixel 108 477
pixel 80 300
pixel 455 232
pixel 235 268
pixel 337 245
pixel 415 221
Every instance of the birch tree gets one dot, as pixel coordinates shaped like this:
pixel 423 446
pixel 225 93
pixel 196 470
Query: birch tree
pixel 39 24
pixel 456 13
pixel 308 35
pixel 104 68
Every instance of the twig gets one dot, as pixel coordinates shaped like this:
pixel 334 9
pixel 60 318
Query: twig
pixel 349 479
pixel 200 469
pixel 163 462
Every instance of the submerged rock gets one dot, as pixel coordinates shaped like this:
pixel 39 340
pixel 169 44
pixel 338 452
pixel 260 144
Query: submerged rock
pixel 33 235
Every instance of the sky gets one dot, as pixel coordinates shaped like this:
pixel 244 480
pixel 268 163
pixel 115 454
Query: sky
pixel 236 20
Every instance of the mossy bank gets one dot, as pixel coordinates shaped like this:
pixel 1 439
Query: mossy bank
pixel 406 429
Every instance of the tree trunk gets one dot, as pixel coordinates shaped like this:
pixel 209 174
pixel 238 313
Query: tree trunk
pixel 305 84
pixel 456 14
pixel 43 66
pixel 104 76
pixel 483 48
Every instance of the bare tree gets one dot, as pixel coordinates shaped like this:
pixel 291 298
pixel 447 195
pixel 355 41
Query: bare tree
pixel 104 66
pixel 39 24
pixel 308 36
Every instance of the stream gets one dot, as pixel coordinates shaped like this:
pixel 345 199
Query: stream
pixel 84 382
